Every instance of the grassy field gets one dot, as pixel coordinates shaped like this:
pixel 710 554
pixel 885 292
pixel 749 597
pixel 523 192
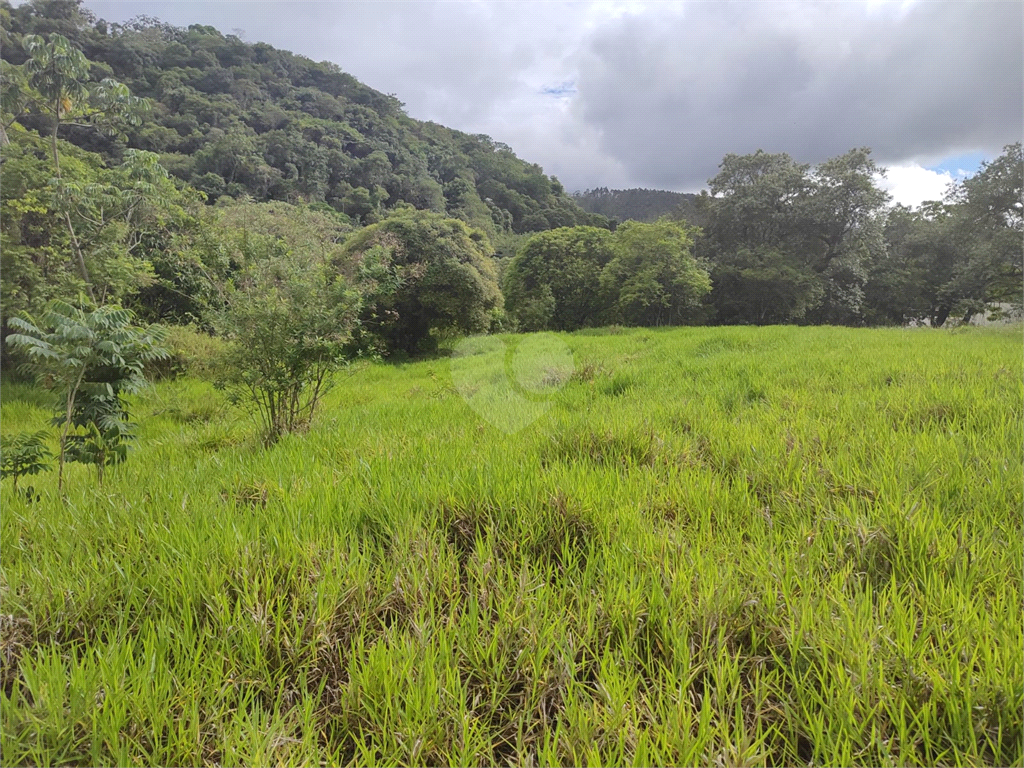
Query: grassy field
pixel 716 546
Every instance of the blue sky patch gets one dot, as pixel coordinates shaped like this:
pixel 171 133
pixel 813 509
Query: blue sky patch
pixel 970 162
pixel 568 88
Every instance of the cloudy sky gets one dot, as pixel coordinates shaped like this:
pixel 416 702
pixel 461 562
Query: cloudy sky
pixel 653 94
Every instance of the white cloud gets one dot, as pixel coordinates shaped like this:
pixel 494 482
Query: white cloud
pixel 913 184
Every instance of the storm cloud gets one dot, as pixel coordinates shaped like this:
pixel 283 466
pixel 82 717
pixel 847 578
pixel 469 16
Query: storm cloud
pixel 915 84
pixel 635 94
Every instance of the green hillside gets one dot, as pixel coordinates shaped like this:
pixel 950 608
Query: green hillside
pixel 234 118
pixel 639 204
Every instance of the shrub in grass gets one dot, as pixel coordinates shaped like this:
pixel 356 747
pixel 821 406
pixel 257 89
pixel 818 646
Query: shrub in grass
pixel 26 454
pixel 92 360
pixel 288 323
pixel 99 448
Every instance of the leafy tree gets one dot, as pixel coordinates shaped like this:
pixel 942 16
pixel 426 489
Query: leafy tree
pixel 59 73
pixel 463 201
pixel 57 84
pixel 555 279
pixel 820 225
pixel 252 231
pixel 843 231
pixel 131 212
pixel 209 247
pixel 445 280
pixel 126 219
pixel 755 202
pixel 34 247
pixel 653 278
pixel 361 203
pixel 569 278
pixel 897 277
pixel 234 155
pixel 92 360
pixel 953 258
pixel 16 98
pixel 288 321
pixel 131 224
pixel 840 203
pixel 988 227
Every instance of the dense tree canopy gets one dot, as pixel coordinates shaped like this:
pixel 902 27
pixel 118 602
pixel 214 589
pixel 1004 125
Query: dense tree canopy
pixel 653 278
pixel 642 274
pixel 954 257
pixel 790 242
pixel 435 276
pixel 118 220
pixel 555 280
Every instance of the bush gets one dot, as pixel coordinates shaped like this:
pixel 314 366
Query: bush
pixel 26 454
pixel 287 323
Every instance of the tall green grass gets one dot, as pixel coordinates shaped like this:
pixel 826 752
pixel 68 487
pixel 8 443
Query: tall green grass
pixel 718 546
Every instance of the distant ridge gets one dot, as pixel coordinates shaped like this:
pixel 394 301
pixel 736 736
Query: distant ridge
pixel 638 204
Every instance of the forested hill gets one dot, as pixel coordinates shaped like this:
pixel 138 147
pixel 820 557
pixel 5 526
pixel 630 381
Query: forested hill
pixel 234 118
pixel 638 204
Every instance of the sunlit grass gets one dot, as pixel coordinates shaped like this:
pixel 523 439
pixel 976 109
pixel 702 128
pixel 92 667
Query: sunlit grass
pixel 718 546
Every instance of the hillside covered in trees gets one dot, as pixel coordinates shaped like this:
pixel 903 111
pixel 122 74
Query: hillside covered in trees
pixel 639 204
pixel 237 119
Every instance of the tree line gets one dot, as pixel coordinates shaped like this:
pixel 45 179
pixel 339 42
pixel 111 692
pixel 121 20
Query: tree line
pixel 787 242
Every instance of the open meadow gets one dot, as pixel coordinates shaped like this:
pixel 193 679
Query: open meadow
pixel 714 546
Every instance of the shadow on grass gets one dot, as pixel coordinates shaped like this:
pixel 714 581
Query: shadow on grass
pixel 400 357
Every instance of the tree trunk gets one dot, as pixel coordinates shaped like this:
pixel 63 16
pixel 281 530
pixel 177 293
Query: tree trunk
pixel 53 144
pixel 939 317
pixel 83 270
pixel 80 258
pixel 72 393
